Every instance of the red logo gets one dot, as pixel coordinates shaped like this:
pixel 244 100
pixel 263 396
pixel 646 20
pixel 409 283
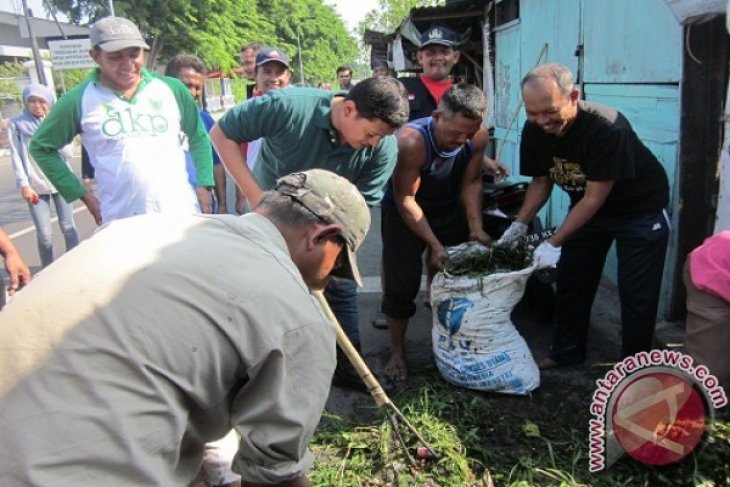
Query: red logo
pixel 659 418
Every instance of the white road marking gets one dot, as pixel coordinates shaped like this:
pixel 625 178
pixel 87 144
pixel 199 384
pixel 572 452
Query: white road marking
pixel 371 284
pixel 31 228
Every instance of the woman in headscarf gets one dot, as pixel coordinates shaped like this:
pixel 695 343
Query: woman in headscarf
pixel 33 184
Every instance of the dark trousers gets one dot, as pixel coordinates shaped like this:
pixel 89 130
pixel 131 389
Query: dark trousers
pixel 341 295
pixel 403 255
pixel 641 244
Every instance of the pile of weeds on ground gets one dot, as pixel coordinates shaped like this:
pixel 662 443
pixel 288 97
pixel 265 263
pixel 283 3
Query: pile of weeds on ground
pixel 489 439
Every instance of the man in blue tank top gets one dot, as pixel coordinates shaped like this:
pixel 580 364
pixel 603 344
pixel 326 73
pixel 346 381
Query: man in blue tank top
pixel 432 200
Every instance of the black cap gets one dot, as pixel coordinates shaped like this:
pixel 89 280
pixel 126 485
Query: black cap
pixel 268 54
pixel 438 35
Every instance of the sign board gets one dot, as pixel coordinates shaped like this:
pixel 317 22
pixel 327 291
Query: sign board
pixel 71 54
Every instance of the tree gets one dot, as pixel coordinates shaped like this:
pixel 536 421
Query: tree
pixel 223 27
pixel 10 74
pixel 215 30
pixel 390 13
pixel 388 16
pixel 68 78
pixel 325 41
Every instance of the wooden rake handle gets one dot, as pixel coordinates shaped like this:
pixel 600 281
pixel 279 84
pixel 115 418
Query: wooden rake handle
pixel 374 387
pixel 395 416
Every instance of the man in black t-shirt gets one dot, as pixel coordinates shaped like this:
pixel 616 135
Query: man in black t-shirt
pixel 618 192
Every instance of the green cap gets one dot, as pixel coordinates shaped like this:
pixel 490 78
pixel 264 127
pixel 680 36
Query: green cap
pixel 333 199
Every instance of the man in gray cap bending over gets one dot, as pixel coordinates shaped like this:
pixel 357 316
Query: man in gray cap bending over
pixel 136 348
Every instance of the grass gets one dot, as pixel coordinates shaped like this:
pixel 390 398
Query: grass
pixel 486 439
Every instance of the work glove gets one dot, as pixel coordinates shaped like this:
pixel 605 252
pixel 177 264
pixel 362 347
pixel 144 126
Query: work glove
pixel 515 231
pixel 546 255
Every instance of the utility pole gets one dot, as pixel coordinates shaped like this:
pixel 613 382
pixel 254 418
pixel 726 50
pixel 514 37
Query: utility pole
pixel 299 49
pixel 111 8
pixel 39 68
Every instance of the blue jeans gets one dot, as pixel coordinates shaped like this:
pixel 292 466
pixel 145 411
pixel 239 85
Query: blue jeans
pixel 41 214
pixel 341 295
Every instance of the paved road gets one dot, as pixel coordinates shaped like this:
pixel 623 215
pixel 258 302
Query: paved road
pixel 15 217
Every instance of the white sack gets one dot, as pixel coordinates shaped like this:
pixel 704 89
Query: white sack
pixel 475 344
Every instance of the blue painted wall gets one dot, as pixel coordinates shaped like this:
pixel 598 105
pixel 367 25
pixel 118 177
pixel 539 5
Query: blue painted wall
pixel 632 55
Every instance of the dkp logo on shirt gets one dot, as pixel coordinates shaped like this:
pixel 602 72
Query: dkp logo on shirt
pixel 129 121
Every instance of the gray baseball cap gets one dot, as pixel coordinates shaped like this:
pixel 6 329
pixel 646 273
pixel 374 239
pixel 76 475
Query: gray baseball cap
pixel 113 34
pixel 333 199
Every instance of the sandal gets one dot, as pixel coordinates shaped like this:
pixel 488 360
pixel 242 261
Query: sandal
pixel 380 323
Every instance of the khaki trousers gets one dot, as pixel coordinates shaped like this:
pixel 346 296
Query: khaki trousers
pixel 708 330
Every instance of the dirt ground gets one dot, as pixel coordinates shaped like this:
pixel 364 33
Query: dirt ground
pixel 539 439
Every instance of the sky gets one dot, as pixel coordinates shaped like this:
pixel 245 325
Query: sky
pixel 16 6
pixel 353 11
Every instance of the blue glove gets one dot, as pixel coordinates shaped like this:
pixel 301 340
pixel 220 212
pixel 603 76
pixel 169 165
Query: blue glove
pixel 546 255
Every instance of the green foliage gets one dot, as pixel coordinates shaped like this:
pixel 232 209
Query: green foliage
pixel 374 457
pixel 69 78
pixel 238 87
pixel 224 26
pixel 325 42
pixel 216 30
pixel 80 11
pixel 477 260
pixel 390 13
pixel 9 88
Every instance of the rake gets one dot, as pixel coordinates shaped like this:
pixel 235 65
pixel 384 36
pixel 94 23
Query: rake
pixel 395 416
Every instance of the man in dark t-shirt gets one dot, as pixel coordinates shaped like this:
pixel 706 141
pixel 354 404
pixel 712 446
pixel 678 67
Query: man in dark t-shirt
pixel 618 192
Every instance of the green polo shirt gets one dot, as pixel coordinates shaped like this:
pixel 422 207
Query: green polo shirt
pixel 298 135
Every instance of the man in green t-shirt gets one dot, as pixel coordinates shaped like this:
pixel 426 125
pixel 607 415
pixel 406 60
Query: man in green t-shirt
pixel 305 128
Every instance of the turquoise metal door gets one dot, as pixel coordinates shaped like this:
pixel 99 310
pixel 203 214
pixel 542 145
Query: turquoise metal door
pixel 632 61
pixel 547 31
